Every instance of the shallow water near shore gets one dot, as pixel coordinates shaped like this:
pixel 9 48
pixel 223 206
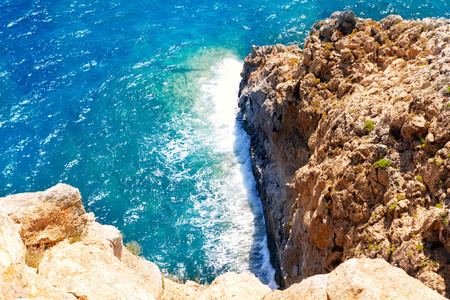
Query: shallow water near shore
pixel 135 104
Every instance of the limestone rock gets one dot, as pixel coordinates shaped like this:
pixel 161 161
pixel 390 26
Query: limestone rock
pixel 87 271
pixel 375 279
pixel 350 146
pixel 232 285
pixel 46 217
pixel 312 288
pixel 81 258
pixel 17 280
pixel 227 286
pixel 360 279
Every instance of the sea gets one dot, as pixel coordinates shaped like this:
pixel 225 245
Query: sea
pixel 134 102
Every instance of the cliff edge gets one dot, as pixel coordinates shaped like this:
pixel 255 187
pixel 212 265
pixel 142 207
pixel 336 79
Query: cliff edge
pixel 50 248
pixel 350 146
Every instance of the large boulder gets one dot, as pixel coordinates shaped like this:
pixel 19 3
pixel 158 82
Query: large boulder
pixel 46 217
pixel 359 279
pixel 368 279
pixel 227 286
pixel 89 272
pixel 17 280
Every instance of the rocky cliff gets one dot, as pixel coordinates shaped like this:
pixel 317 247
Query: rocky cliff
pixel 50 248
pixel 350 146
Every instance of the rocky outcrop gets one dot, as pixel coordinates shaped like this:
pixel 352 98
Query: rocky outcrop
pixel 50 248
pixel 94 265
pixel 350 146
pixel 359 279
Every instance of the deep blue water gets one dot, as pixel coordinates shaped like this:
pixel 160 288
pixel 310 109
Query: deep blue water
pixel 134 103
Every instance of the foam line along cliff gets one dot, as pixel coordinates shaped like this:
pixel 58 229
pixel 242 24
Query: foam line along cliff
pixel 350 146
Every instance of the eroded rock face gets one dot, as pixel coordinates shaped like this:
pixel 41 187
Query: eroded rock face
pixel 46 217
pixel 89 272
pixel 51 249
pixel 17 280
pixel 350 146
pixel 359 279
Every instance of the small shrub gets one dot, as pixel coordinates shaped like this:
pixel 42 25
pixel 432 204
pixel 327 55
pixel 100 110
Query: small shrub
pixel 33 257
pixel 419 177
pixel 370 247
pixel 377 247
pixel 422 202
pixel 422 142
pixel 439 163
pixel 393 206
pixel 368 126
pixel 382 163
pixel 448 89
pixel 409 254
pixel 441 182
pixel 390 250
pixel 439 205
pixel 401 197
pixel 424 264
pixel 419 247
pixel 134 247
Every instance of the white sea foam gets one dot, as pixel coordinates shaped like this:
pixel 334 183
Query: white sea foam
pixel 232 215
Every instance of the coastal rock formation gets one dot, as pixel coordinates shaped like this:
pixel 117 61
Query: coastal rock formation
pixel 350 146
pixel 94 265
pixel 50 248
pixel 359 279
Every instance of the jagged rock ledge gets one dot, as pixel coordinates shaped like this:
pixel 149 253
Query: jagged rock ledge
pixel 50 248
pixel 350 146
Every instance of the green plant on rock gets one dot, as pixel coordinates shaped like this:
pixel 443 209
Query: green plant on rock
pixel 423 142
pixel 419 247
pixel 439 205
pixel 33 256
pixel 401 197
pixel 448 89
pixel 134 247
pixel 419 177
pixel 368 126
pixel 393 206
pixel 382 163
pixel 439 163
pixel 390 250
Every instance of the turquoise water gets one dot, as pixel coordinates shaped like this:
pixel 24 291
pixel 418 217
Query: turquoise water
pixel 134 103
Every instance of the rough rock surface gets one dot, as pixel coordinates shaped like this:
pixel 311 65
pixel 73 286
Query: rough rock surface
pixel 46 217
pixel 359 279
pixel 95 265
pixel 350 146
pixel 50 248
